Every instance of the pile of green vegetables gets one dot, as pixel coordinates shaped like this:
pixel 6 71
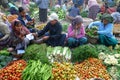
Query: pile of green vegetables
pixel 84 13
pixel 81 53
pixel 36 52
pixel 60 13
pixel 5 58
pixel 58 54
pixel 4 52
pixel 65 26
pixel 35 70
pixel 91 32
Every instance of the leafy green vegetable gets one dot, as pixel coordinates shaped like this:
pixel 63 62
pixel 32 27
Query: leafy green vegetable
pixel 4 52
pixel 65 27
pixel 4 60
pixel 81 53
pixel 58 54
pixel 35 70
pixel 84 13
pixel 36 52
pixel 90 32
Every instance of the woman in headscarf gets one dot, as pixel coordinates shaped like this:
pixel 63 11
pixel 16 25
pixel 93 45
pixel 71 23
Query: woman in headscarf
pixel 105 30
pixel 93 9
pixel 76 33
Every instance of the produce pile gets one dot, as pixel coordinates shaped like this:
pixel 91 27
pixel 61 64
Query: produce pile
pixel 36 52
pixel 63 71
pixel 92 68
pixel 35 70
pixel 13 71
pixel 91 32
pixel 58 54
pixel 112 62
pixel 5 58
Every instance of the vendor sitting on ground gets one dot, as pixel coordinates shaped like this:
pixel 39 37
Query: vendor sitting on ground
pixel 4 33
pixel 105 30
pixel 52 32
pixel 26 19
pixel 18 38
pixel 76 33
pixel 73 12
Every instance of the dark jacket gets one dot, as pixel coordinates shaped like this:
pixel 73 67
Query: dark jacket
pixel 54 30
pixel 22 21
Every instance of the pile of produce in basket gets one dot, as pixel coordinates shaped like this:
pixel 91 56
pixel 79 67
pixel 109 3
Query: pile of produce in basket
pixel 58 54
pixel 63 71
pixel 5 58
pixel 90 32
pixel 13 71
pixel 35 70
pixel 36 52
pixel 92 68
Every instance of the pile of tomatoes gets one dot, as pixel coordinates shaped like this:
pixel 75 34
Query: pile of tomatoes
pixel 13 71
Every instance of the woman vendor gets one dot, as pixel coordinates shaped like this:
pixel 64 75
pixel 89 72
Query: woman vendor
pixel 105 30
pixel 26 20
pixel 52 32
pixel 76 33
pixel 18 38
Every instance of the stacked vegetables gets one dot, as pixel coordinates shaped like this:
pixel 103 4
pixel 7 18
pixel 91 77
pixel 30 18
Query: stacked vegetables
pixel 36 52
pixel 63 71
pixel 13 71
pixel 58 54
pixel 5 58
pixel 92 68
pixel 91 32
pixel 4 52
pixel 35 70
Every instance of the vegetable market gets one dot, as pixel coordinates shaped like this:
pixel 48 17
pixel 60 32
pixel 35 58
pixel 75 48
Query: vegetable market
pixel 59 39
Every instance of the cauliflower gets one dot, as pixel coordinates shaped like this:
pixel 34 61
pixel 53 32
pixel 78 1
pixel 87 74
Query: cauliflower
pixel 117 55
pixel 111 60
pixel 102 56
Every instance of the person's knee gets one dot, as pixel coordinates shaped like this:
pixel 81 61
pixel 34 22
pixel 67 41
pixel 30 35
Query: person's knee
pixel 83 40
pixel 71 40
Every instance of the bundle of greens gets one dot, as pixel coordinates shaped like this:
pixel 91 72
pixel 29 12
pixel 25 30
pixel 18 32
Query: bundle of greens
pixel 65 27
pixel 4 52
pixel 4 60
pixel 35 70
pixel 36 52
pixel 58 54
pixel 90 32
pixel 81 53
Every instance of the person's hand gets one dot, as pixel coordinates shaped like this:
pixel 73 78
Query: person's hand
pixel 21 37
pixel 45 38
pixel 34 34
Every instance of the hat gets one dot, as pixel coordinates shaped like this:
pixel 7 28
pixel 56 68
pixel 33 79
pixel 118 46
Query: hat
pixel 53 16
pixel 108 17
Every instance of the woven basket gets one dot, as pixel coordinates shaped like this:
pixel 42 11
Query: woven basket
pixel 92 40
